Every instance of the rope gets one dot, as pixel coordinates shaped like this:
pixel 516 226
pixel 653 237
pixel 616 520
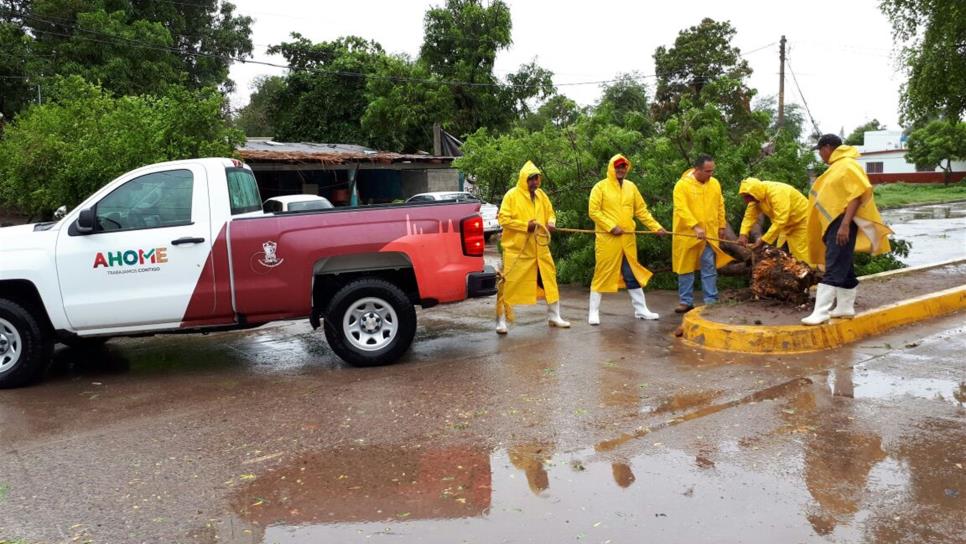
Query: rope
pixel 542 237
pixel 636 232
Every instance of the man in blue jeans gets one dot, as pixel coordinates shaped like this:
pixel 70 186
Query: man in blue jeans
pixel 698 209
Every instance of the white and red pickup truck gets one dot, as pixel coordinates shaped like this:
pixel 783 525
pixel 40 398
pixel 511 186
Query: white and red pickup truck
pixel 185 247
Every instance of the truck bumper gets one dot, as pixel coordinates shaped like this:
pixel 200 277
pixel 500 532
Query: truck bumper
pixel 481 284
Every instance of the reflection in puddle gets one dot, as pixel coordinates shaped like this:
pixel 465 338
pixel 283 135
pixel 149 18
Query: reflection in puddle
pixel 873 384
pixel 937 233
pixel 534 496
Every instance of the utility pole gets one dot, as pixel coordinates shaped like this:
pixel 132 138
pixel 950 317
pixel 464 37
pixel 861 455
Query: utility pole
pixel 781 83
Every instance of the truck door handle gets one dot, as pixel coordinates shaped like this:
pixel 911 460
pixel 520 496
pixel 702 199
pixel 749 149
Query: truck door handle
pixel 187 240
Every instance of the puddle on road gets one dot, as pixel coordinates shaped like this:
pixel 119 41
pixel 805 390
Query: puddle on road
pixel 864 383
pixel 530 494
pixel 844 482
pixel 937 232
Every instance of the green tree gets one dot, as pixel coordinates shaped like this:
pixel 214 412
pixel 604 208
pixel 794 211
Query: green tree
pixel 625 103
pixel 255 119
pixel 857 136
pixel 938 144
pixel 460 42
pixel 82 137
pixel 17 87
pixel 557 111
pixel 404 102
pixel 130 46
pixel 703 67
pixel 794 122
pixel 324 97
pixel 931 37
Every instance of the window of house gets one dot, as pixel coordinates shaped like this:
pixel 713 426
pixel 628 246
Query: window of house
pixel 873 167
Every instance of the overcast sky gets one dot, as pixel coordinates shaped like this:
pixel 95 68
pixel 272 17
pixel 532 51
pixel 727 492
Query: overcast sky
pixel 841 51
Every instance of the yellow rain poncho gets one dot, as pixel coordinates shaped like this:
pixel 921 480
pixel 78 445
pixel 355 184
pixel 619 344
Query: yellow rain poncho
pixel 696 204
pixel 787 209
pixel 843 182
pixel 614 204
pixel 522 255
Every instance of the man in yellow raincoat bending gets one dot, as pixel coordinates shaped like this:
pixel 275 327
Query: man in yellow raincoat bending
pixel 842 219
pixel 527 264
pixel 785 207
pixel 614 203
pixel 699 209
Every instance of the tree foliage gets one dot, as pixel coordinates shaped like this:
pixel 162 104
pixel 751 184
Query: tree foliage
pixel 931 36
pixel 857 136
pixel 703 67
pixel 126 46
pixel 324 96
pixel 938 144
pixel 352 91
pixel 256 118
pixel 59 152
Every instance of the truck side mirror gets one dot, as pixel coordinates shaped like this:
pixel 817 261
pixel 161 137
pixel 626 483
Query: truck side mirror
pixel 60 212
pixel 85 221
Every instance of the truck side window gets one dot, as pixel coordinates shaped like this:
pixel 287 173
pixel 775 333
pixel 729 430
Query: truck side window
pixel 161 199
pixel 242 191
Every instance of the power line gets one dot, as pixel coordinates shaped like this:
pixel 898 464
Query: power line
pixel 804 103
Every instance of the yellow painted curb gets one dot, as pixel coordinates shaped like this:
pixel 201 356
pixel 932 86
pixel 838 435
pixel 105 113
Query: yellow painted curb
pixel 804 339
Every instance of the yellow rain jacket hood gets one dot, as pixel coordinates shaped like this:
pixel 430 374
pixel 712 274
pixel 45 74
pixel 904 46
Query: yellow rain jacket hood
pixel 614 204
pixel 843 182
pixel 523 256
pixel 785 207
pixel 696 204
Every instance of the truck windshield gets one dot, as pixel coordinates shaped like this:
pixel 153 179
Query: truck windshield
pixel 242 191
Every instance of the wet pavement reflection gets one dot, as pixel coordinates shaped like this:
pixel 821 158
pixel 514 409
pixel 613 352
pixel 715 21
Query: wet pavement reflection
pixel 937 231
pixel 614 433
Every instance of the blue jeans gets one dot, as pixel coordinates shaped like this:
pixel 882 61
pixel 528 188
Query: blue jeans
pixel 629 280
pixel 709 280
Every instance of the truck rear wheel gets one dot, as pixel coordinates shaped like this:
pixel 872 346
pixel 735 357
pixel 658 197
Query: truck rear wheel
pixel 24 347
pixel 370 322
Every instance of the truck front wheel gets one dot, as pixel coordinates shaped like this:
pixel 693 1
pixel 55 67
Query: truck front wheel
pixel 24 347
pixel 370 322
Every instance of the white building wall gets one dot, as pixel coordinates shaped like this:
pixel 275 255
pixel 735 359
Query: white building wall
pixel 893 162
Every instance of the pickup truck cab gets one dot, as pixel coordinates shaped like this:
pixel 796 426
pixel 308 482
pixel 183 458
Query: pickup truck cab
pixel 185 247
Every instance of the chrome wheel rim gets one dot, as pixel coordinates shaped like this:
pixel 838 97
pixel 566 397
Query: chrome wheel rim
pixel 370 324
pixel 11 346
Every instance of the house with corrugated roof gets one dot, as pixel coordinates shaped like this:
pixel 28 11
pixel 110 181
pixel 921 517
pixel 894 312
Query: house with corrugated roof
pixel 346 174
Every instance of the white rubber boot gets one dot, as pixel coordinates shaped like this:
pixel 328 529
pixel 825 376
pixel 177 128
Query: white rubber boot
pixel 501 327
pixel 640 305
pixel 824 299
pixel 844 303
pixel 553 316
pixel 593 317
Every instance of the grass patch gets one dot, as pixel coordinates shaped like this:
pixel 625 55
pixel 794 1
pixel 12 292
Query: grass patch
pixel 896 195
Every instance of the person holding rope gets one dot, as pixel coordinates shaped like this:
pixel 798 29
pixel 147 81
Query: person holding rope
pixel 785 207
pixel 614 203
pixel 698 207
pixel 528 268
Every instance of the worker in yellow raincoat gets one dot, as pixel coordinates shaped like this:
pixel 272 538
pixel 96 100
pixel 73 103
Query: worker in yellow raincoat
pixel 614 203
pixel 698 209
pixel 528 267
pixel 842 219
pixel 787 209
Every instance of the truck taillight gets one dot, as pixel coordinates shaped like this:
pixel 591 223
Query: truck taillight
pixel 471 229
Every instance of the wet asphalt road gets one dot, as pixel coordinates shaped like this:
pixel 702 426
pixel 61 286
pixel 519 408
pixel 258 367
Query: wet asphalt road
pixel 617 433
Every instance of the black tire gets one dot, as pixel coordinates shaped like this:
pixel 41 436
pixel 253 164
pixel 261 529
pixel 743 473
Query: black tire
pixel 347 344
pixel 33 345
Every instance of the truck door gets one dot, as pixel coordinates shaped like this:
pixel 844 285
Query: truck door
pixel 141 264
